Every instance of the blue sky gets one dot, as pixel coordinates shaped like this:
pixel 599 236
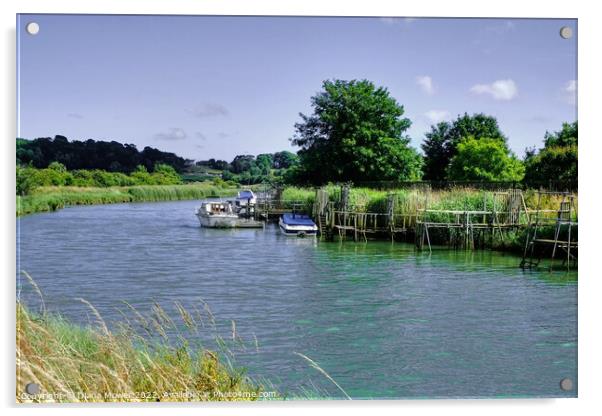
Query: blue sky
pixel 207 87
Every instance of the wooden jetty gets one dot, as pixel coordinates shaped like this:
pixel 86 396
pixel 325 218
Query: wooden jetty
pixel 563 243
pixel 464 227
pixel 501 213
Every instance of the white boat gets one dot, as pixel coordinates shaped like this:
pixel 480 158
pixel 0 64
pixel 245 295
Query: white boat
pixel 298 225
pixel 219 214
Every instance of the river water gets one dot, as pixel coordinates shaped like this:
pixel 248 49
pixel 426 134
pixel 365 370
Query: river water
pixel 381 319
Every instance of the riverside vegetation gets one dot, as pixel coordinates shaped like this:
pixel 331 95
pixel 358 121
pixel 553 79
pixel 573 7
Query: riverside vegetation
pixel 55 187
pixel 142 360
pixel 411 201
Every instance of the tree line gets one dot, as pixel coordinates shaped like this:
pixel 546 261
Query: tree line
pixel 355 133
pixel 56 174
pixel 90 154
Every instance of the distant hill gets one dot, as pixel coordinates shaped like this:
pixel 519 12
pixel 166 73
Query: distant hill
pixel 90 154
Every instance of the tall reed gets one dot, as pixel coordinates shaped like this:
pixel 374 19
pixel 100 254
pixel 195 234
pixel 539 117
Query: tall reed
pixel 137 362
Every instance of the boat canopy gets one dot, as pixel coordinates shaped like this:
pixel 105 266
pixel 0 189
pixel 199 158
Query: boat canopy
pixel 297 219
pixel 245 195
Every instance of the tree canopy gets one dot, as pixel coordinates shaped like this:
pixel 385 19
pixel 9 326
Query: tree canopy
pixel 441 142
pixel 484 159
pixel 90 154
pixel 557 160
pixel 355 133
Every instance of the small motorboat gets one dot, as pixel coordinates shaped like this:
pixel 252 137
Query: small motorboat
pixel 218 214
pixel 299 225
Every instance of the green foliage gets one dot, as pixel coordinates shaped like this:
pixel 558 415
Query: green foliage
pixel 567 136
pixel 557 160
pixel 284 160
pixel 356 133
pixel 54 198
pixel 25 180
pixel 484 159
pixel 166 175
pixel 129 363
pixel 29 178
pixel 111 156
pixel 441 143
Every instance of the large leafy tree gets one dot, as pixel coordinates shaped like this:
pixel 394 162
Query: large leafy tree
pixel 484 159
pixel 557 160
pixel 441 142
pixel 284 159
pixel 355 133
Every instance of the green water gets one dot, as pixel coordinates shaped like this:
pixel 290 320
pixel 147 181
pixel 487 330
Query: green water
pixel 381 319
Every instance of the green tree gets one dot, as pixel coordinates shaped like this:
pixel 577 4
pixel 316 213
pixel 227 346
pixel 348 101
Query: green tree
pixel 484 159
pixel 284 159
pixel 165 175
pixel 441 142
pixel 141 176
pixel 264 163
pixel 356 133
pixel 557 160
pixel 26 180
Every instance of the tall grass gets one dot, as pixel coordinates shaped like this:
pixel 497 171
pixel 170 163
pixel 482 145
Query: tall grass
pixel 139 362
pixel 57 197
pixel 409 201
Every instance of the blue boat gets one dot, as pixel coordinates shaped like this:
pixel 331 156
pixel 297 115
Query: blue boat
pixel 299 225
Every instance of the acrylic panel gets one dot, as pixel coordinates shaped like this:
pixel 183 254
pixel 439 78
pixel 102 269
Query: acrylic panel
pixel 295 208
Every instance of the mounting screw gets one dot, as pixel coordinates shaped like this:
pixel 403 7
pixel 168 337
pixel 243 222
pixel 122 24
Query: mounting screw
pixel 32 388
pixel 32 28
pixel 566 32
pixel 566 384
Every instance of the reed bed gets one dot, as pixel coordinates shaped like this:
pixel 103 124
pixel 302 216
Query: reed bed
pixel 142 361
pixel 54 197
pixel 409 201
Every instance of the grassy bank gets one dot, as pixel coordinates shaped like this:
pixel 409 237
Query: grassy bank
pixel 71 363
pixel 51 198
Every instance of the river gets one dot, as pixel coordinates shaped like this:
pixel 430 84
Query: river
pixel 383 320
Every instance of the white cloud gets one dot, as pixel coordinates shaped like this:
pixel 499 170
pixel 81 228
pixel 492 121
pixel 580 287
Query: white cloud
pixel 436 116
pixel 570 91
pixel 174 133
pixel 426 83
pixel 571 86
pixel 502 89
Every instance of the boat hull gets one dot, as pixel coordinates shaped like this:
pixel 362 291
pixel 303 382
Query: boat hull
pixel 297 230
pixel 228 221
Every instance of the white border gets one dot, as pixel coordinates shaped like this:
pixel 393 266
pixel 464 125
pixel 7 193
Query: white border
pixel 590 274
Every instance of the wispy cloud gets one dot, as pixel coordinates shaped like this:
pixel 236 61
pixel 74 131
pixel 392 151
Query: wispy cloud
pixel 503 89
pixel 200 135
pixel 397 20
pixel 210 110
pixel 174 133
pixel 426 84
pixel 436 116
pixel 570 92
pixel 75 115
pixel 501 27
pixel 223 135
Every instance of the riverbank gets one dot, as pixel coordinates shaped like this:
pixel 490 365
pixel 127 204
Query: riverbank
pixel 72 363
pixel 52 198
pixel 407 206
